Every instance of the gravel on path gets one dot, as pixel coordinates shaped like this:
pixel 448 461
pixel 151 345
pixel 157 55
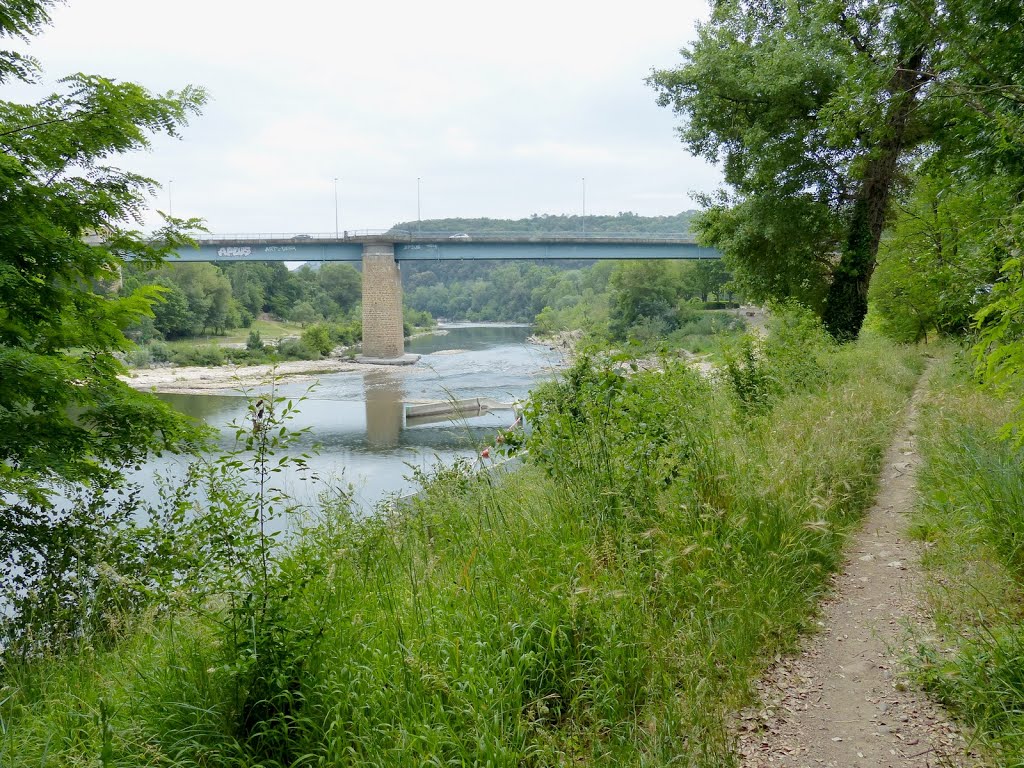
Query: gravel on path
pixel 843 700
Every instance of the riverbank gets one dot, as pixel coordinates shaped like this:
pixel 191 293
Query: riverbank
pixel 198 379
pixel 202 379
pixel 609 604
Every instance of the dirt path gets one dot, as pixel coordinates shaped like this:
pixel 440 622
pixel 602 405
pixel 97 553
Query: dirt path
pixel 842 701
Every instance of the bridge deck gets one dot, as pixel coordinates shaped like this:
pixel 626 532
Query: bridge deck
pixel 447 247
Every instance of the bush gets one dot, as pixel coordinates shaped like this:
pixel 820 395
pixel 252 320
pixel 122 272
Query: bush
pixel 208 355
pixel 138 357
pixel 160 352
pixel 793 358
pixel 295 349
pixel 347 333
pixel 255 341
pixel 317 338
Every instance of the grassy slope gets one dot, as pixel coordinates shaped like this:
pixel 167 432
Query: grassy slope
pixel 609 607
pixel 972 495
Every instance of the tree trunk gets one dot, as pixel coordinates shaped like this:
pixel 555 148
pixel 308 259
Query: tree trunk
pixel 847 301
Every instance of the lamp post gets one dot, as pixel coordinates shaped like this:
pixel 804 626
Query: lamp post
pixel 419 220
pixel 335 207
pixel 584 180
pixel 170 198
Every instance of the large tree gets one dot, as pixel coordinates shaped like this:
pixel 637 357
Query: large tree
pixel 67 224
pixel 811 106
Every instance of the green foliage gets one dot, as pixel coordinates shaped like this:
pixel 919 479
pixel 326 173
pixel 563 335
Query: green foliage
pixel 64 414
pixel 934 267
pixel 206 355
pixel 519 291
pixel 347 333
pixel 811 108
pixel 622 223
pixel 657 557
pixel 255 341
pixel 972 488
pixel 295 349
pixel 1000 347
pixel 413 319
pixel 318 338
pixel 305 313
pixel 792 358
pixel 642 292
pixel 596 416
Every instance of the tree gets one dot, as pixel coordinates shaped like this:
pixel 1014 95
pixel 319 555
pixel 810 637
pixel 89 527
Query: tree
pixel 705 277
pixel 342 284
pixel 812 107
pixel 208 292
pixel 317 338
pixel 172 316
pixel 304 313
pixel 934 271
pixel 65 417
pixel 642 293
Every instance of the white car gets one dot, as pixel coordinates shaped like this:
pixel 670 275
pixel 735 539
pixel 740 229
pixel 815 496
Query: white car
pixel 459 236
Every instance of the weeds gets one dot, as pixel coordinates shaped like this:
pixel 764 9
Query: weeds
pixel 607 604
pixel 972 485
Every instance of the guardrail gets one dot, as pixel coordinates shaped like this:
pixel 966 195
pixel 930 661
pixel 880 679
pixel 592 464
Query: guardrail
pixel 404 235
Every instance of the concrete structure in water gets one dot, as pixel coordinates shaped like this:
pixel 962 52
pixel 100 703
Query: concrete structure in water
pixel 383 324
pixel 381 252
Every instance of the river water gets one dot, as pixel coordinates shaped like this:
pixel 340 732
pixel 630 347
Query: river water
pixel 356 418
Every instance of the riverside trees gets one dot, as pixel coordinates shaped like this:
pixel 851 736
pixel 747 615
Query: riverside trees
pixel 63 412
pixel 826 111
pixel 812 107
pixel 66 420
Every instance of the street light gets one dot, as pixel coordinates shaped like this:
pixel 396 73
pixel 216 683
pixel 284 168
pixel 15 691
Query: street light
pixel 584 180
pixel 335 207
pixel 419 220
pixel 170 198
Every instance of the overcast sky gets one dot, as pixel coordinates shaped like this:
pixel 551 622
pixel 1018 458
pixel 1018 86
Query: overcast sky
pixel 500 109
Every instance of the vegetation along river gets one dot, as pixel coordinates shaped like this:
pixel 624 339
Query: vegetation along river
pixel 355 418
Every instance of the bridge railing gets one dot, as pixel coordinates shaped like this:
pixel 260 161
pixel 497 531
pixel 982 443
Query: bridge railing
pixel 261 236
pixel 403 235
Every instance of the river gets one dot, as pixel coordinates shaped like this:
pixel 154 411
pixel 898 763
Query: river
pixel 356 418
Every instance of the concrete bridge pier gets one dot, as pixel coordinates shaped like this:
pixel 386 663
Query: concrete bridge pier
pixel 383 333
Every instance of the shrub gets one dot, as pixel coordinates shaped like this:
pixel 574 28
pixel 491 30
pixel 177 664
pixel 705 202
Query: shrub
pixel 160 352
pixel 347 332
pixel 208 355
pixel 138 357
pixel 255 341
pixel 295 349
pixel 317 338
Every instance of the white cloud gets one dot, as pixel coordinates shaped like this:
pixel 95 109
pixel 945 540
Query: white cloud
pixel 499 110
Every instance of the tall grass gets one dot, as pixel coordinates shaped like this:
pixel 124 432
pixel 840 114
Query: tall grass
pixel 972 495
pixel 608 604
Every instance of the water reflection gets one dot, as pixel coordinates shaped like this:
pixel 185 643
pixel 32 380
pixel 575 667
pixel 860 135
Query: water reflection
pixel 384 409
pixel 212 409
pixel 357 430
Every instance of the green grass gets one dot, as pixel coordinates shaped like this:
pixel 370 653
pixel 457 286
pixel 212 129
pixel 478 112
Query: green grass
pixel 609 604
pixel 270 330
pixel 969 516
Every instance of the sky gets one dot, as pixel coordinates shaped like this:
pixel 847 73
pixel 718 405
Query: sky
pixel 433 109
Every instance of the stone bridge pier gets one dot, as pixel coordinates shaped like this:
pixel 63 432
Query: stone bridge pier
pixel 383 331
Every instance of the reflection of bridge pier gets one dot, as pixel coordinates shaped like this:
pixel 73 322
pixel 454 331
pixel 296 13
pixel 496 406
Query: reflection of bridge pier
pixel 385 411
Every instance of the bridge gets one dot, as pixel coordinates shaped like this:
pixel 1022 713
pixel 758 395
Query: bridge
pixel 381 252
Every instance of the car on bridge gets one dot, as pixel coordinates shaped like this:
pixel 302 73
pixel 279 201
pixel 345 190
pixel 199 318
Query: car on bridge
pixel 459 236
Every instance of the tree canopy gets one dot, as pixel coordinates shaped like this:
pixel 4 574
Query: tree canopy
pixel 813 108
pixel 838 121
pixel 67 222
